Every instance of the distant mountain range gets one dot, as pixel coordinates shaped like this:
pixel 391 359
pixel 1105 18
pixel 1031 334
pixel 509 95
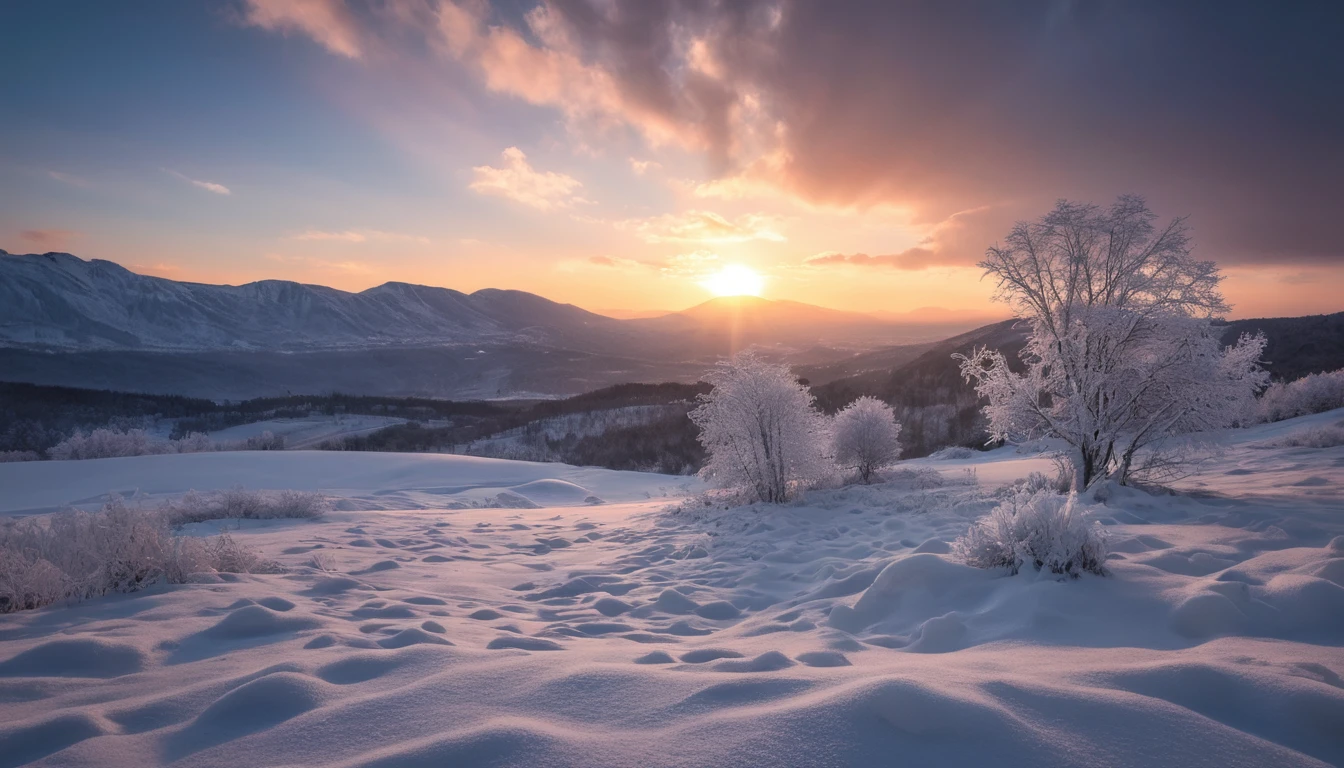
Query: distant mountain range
pixel 56 301
pixel 65 320
pixel 59 301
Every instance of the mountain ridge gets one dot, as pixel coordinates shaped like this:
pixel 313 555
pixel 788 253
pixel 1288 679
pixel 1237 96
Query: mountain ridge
pixel 59 301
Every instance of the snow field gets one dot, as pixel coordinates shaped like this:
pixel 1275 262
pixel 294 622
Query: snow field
pixel 836 630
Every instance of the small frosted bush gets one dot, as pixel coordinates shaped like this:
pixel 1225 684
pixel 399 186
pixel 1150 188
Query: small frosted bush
pixel 952 452
pixel 1313 393
pixel 1039 481
pixel 1329 436
pixel 1041 530
pixel 266 441
pixel 865 437
pixel 108 444
pixel 28 582
pixel 7 457
pixel 75 555
pixel 194 442
pixel 239 503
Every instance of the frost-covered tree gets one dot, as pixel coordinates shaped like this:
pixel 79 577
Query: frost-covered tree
pixel 761 430
pixel 1122 355
pixel 865 437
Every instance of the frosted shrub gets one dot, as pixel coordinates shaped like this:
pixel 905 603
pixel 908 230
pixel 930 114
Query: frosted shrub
pixel 239 503
pixel 194 442
pixel 75 555
pixel 14 456
pixel 266 441
pixel 1039 481
pixel 865 437
pixel 1329 436
pixel 1041 530
pixel 107 444
pixel 764 436
pixel 952 452
pixel 1313 393
pixel 28 582
pixel 228 556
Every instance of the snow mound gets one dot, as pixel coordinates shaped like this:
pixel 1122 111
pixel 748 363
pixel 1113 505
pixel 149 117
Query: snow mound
pixel 254 706
pixel 26 742
pixel 258 621
pixel 412 636
pixel 910 583
pixel 84 657
pixel 554 493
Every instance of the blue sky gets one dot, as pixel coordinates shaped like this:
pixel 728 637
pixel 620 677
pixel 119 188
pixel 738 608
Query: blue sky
pixel 617 155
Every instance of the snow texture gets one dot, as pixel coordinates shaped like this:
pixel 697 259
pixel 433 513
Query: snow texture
pixel 657 629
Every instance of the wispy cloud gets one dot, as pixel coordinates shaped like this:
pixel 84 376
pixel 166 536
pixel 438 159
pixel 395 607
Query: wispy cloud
pixel 641 167
pixel 911 258
pixel 209 186
pixel 359 236
pixel 695 264
pixel 328 22
pixel 704 227
pixel 322 265
pixel 519 181
pixel 71 179
pixel 48 238
pixel 613 261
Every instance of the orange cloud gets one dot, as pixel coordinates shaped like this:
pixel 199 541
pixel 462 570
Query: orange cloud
pixel 703 227
pixel 912 258
pixel 695 264
pixel 359 236
pixel 519 181
pixel 328 22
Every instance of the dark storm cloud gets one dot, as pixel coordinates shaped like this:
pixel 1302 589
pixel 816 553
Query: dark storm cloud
pixel 1231 112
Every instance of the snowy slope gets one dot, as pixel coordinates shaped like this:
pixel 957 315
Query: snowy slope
pixel 59 300
pixel 362 480
pixel 836 631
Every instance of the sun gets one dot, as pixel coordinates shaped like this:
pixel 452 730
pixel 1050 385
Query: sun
pixel 735 280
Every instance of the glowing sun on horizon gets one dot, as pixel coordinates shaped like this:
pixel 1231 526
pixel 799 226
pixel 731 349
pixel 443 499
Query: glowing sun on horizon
pixel 735 280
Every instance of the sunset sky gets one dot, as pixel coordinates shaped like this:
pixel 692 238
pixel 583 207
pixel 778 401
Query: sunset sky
pixel 617 155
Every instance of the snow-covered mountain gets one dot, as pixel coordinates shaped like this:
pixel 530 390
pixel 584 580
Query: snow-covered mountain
pixel 56 300
pixel 70 322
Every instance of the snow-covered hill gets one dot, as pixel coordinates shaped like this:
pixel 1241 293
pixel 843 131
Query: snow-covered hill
pixel 60 301
pixel 422 624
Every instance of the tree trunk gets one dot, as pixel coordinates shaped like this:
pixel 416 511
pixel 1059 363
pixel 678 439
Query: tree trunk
pixel 1082 469
pixel 1122 474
